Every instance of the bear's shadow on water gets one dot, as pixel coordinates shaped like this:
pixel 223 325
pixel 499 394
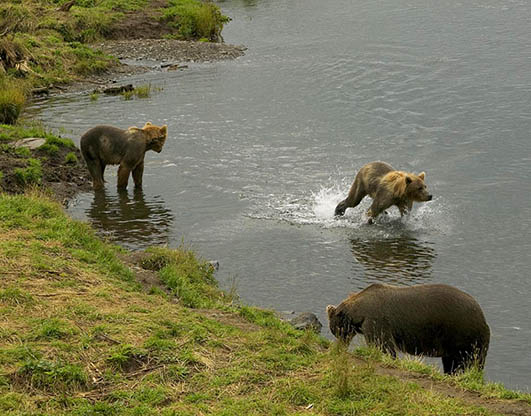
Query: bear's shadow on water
pixel 393 254
pixel 131 220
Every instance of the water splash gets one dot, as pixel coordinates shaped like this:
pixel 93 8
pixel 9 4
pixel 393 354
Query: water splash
pixel 325 201
pixel 318 208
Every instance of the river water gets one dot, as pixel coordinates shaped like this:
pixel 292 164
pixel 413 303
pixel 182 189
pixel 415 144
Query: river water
pixel 261 149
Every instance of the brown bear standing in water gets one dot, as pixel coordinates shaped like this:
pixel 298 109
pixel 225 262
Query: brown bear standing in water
pixel 106 145
pixel 435 320
pixel 386 187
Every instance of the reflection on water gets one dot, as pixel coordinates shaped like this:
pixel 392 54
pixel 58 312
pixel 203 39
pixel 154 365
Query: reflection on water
pixel 403 260
pixel 130 219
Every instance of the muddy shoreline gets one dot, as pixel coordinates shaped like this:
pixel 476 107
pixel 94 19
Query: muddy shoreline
pixel 161 54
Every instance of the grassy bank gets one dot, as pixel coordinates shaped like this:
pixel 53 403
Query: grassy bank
pixel 43 44
pixel 56 163
pixel 79 335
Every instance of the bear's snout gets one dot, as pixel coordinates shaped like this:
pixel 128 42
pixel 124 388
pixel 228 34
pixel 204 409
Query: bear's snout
pixel 430 197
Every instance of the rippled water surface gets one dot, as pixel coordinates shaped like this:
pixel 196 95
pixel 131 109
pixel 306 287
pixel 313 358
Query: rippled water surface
pixel 261 149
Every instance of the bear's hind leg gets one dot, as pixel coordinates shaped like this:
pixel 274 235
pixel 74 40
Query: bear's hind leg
pixel 355 195
pixel 94 167
pixel 455 364
pixel 448 365
pixel 123 176
pixel 102 170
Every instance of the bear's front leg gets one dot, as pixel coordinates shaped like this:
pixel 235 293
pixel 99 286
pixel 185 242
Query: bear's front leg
pixel 123 176
pixel 376 209
pixel 137 174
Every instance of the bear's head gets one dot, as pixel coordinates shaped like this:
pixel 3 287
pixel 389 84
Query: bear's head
pixel 341 324
pixel 155 136
pixel 416 189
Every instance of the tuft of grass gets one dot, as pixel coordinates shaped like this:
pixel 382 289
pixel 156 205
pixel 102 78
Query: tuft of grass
pixel 189 278
pixel 71 158
pixel 94 96
pixel 194 19
pixel 340 369
pixel 51 376
pixel 15 296
pixel 263 318
pixel 128 95
pixel 53 329
pixel 125 357
pixel 23 151
pixel 53 143
pixel 143 91
pixel 32 174
pixel 12 98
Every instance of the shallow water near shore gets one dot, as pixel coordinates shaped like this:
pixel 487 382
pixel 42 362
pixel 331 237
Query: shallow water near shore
pixel 262 148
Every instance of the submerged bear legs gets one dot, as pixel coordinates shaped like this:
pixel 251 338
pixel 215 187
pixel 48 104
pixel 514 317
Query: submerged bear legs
pixel 96 169
pixel 137 174
pixel 123 176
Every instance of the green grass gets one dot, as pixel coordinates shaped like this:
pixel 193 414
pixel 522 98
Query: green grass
pixel 41 46
pixel 71 158
pixel 194 19
pixel 12 99
pixel 20 131
pixel 142 91
pixel 53 143
pixel 52 376
pixel 31 174
pixel 80 336
pixel 472 379
pixel 190 279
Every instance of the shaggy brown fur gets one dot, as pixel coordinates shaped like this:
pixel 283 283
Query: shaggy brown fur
pixel 435 320
pixel 386 187
pixel 106 145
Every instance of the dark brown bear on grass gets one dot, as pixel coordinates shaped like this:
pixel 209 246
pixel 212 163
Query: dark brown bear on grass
pixel 386 187
pixel 106 145
pixel 434 320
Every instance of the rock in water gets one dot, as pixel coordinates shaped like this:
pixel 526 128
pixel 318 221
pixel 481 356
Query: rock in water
pixel 306 320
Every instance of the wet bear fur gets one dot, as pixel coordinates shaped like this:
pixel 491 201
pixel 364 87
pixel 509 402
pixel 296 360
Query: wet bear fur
pixel 106 145
pixel 434 320
pixel 386 187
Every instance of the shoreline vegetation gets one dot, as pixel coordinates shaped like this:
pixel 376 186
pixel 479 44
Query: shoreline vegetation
pixel 47 45
pixel 89 328
pixel 87 320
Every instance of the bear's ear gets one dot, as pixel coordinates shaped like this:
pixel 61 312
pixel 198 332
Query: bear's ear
pixel 422 175
pixel 330 310
pixel 164 130
pixel 408 180
pixel 148 123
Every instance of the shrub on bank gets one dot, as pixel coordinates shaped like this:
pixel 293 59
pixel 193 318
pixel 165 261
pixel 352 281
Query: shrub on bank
pixel 194 19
